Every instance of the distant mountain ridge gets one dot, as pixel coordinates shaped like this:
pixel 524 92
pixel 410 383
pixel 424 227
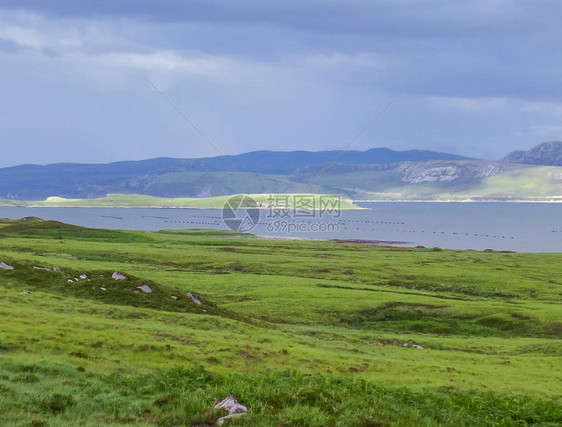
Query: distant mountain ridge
pixel 546 154
pixel 376 174
pixel 32 182
pixel 286 162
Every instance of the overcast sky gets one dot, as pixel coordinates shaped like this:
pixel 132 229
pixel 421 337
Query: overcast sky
pixel 276 75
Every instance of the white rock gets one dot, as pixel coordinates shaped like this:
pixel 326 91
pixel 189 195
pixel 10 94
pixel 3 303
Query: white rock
pixel 413 345
pixel 70 281
pixel 56 268
pixel 118 276
pixel 103 289
pixel 231 405
pixel 25 292
pixel 192 298
pixel 76 279
pixel 40 268
pixel 234 408
pixel 6 266
pixel 174 297
pixel 145 288
pixel 83 276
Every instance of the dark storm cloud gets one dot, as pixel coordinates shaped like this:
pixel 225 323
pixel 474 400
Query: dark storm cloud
pixel 278 75
pixel 471 48
pixel 407 18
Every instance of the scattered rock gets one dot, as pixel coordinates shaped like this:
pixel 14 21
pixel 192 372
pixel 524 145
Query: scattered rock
pixel 70 281
pixel 232 406
pixel 118 276
pixel 6 266
pixel 83 276
pixel 25 292
pixel 145 288
pixel 174 297
pixel 41 268
pixel 103 289
pixel 204 311
pixel 412 345
pixel 76 279
pixel 56 268
pixel 192 298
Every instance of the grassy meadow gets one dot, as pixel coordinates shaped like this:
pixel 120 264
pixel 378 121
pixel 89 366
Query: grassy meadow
pixel 303 333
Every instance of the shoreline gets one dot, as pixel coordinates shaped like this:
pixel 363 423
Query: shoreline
pixel 555 201
pixel 267 208
pixel 163 207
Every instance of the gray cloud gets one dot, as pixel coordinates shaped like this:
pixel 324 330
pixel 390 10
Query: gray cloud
pixel 276 75
pixel 8 46
pixel 407 18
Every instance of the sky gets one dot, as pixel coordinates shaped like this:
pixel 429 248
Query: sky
pixel 85 81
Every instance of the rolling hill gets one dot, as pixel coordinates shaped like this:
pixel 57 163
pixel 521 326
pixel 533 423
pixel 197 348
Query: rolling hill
pixel 377 174
pixel 546 154
pixel 304 333
pixel 166 177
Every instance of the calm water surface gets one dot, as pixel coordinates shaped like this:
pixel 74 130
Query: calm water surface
pixel 531 227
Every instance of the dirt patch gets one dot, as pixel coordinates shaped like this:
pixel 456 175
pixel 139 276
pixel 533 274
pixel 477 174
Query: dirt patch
pixel 371 242
pixel 412 304
pixel 520 316
pixel 554 328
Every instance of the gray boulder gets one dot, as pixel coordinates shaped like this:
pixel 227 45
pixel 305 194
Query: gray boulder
pixel 5 266
pixel 144 288
pixel 192 298
pixel 232 406
pixel 118 276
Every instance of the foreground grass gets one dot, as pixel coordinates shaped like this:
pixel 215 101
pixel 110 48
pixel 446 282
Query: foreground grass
pixel 304 333
pixel 140 200
pixel 186 396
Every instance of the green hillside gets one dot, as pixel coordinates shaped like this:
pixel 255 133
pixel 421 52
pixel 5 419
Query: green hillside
pixel 527 183
pixel 428 180
pixel 138 200
pixel 303 333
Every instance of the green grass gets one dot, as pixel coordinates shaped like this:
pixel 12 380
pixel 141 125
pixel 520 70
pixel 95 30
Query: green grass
pixel 358 182
pixel 524 183
pixel 139 200
pixel 527 182
pixel 304 333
